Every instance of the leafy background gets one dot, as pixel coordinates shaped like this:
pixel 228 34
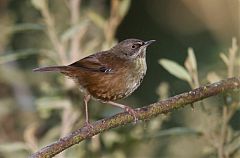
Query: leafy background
pixel 197 43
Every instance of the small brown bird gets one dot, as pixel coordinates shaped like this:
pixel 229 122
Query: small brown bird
pixel 109 75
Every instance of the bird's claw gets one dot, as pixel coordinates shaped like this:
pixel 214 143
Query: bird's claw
pixel 88 126
pixel 132 112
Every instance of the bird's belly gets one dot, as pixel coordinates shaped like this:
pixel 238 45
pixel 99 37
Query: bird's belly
pixel 115 88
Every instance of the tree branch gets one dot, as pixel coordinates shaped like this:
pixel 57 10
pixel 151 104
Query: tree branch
pixel 144 113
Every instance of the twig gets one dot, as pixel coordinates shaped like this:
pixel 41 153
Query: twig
pixel 232 57
pixel 222 138
pixel 113 22
pixel 68 115
pixel 228 111
pixel 143 113
pixel 74 6
pixel 51 32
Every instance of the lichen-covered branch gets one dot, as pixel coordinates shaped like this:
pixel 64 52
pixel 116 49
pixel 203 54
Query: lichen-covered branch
pixel 144 113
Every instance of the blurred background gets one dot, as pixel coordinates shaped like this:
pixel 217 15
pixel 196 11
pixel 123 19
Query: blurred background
pixel 197 42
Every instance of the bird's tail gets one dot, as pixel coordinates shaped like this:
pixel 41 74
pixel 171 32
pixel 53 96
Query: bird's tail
pixel 51 69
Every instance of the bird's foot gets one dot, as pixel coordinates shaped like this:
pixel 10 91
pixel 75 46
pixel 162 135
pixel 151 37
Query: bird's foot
pixel 128 109
pixel 88 126
pixel 132 112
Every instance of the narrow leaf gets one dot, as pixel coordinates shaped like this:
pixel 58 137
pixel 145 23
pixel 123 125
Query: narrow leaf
pixel 72 31
pixel 192 58
pixel 213 77
pixel 39 4
pixel 17 55
pixel 124 7
pixel 175 69
pixel 13 147
pixel 96 18
pixel 26 27
pixel 233 146
pixel 176 131
pixel 224 58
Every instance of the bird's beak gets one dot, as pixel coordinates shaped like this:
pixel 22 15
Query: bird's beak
pixel 147 43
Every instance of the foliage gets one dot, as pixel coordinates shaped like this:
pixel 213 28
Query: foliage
pixel 220 134
pixel 37 109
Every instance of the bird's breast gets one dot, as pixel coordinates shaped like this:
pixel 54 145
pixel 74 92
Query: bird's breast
pixel 135 76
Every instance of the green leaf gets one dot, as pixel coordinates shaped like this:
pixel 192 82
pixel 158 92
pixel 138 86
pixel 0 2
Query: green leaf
pixel 72 31
pixel 175 69
pixel 213 77
pixel 175 131
pixel 192 59
pixel 96 18
pixel 11 147
pixel 46 104
pixel 39 4
pixel 17 55
pixel 224 58
pixel 124 7
pixel 233 146
pixel 26 27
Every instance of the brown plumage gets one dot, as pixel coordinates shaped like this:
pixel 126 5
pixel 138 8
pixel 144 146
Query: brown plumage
pixel 109 75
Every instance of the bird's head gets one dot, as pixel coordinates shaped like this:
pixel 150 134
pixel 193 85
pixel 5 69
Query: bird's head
pixel 131 48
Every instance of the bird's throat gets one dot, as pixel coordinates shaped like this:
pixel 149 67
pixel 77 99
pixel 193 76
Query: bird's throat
pixel 140 65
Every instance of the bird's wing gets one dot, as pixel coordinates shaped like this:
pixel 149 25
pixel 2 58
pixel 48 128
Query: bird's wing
pixel 92 63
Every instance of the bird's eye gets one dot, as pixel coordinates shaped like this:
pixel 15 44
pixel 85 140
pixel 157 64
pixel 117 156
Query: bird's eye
pixel 134 46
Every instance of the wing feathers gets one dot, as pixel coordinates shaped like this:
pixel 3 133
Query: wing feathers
pixel 92 63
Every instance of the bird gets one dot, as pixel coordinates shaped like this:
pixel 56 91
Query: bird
pixel 110 75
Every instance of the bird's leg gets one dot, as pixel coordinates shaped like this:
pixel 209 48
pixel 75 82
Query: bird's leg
pixel 125 108
pixel 86 99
